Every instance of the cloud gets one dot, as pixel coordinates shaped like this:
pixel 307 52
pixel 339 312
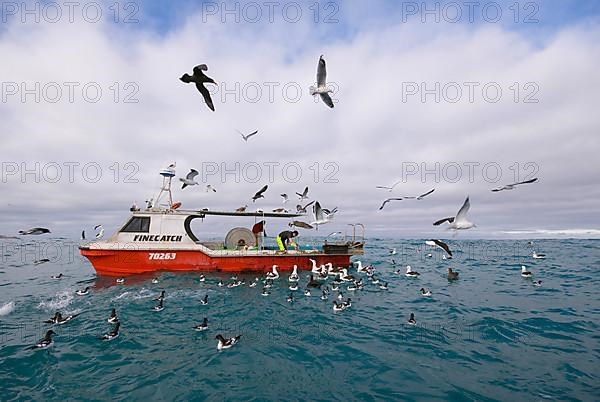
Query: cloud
pixel 145 118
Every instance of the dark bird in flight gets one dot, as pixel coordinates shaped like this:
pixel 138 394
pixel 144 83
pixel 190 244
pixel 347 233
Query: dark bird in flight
pixel 199 78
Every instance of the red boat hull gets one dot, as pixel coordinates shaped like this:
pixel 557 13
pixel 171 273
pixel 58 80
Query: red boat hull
pixel 132 262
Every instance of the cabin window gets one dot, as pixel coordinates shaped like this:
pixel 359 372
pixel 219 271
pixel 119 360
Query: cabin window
pixel 137 224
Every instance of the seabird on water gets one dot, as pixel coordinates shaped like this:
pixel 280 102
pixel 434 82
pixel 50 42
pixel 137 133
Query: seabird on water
pixel 83 292
pixel 245 137
pixel 383 286
pixel 155 280
pixel 120 280
pixel 425 292
pixel 226 343
pixel 45 342
pixel 112 334
pixel 204 301
pixel 259 193
pixel 411 320
pixel 321 88
pixel 189 179
pixel 410 273
pixel 460 220
pixel 159 306
pixel 537 283
pixel 199 78
pixel 525 273
pixel 59 319
pixel 538 256
pixel 452 275
pixel 57 276
pixel 513 185
pixel 161 297
pixel 294 275
pixel 274 274
pixel 203 326
pixel 113 317
pixel 42 261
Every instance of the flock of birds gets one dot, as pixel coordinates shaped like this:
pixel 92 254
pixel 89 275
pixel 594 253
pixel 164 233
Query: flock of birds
pixel 323 281
pixel 459 221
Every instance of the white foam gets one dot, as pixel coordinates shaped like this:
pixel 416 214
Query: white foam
pixel 59 302
pixel 7 308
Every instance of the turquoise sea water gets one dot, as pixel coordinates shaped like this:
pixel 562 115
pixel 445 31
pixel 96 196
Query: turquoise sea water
pixel 491 335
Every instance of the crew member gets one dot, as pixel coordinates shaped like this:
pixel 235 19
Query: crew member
pixel 285 238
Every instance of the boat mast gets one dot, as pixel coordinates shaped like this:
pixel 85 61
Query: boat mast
pixel 167 173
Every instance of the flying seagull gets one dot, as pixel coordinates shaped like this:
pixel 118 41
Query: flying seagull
pixel 320 218
pixel 513 185
pixel 210 188
pixel 388 188
pixel 285 197
pixel 242 209
pixel 304 194
pixel 245 137
pixel 321 88
pixel 189 179
pixel 100 234
pixel 460 220
pixel 302 209
pixel 419 197
pixel 259 194
pixel 388 200
pixel 199 78
pixel 440 244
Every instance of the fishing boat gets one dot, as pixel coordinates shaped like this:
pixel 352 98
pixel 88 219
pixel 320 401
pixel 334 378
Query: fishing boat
pixel 160 238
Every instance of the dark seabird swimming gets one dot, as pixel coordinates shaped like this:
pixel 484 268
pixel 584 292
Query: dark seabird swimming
pixel 425 292
pixel 113 317
pixel 321 88
pixel 112 334
pixel 411 320
pixel 410 273
pixel 203 326
pixel 56 276
pixel 161 297
pixel 59 319
pixel 159 306
pixel 226 343
pixel 525 273
pixel 45 342
pixel 204 301
pixel 84 291
pixel 312 283
pixel 199 78
pixel 34 231
pixel 452 275
pixel 259 193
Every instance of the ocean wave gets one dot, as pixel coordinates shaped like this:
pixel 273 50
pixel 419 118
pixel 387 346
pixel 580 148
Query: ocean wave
pixel 7 308
pixel 60 301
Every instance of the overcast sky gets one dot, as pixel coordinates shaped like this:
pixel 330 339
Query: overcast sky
pixel 449 96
